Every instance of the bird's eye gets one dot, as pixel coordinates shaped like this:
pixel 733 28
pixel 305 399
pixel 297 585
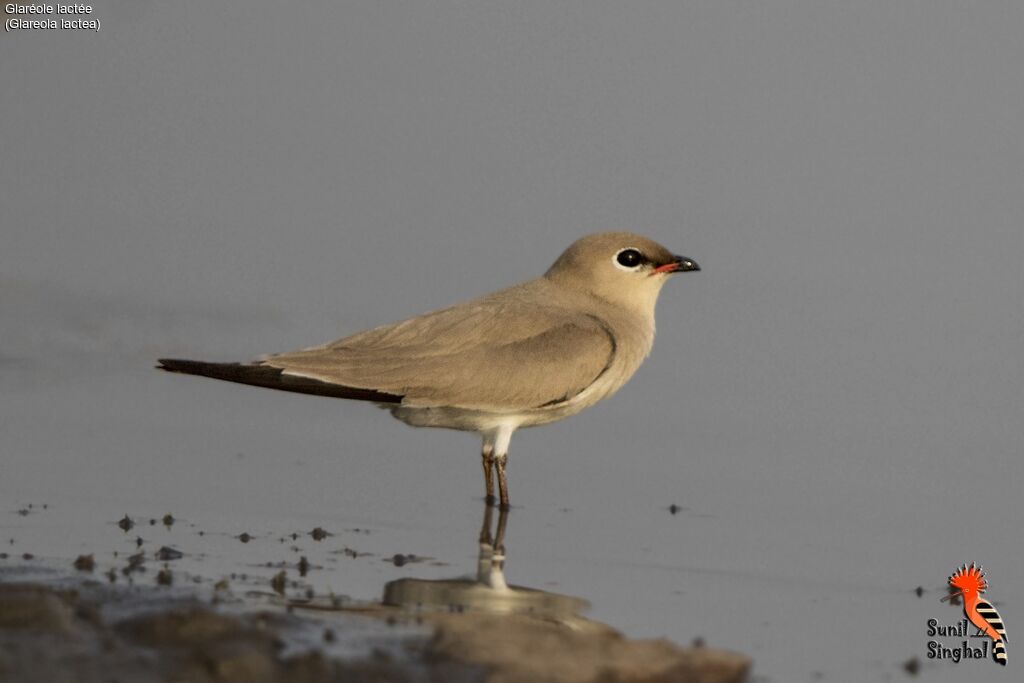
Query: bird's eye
pixel 629 258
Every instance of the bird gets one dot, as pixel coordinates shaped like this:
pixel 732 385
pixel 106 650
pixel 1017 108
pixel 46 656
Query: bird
pixel 527 355
pixel 970 583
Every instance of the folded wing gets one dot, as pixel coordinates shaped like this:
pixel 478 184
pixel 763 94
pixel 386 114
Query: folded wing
pixel 494 354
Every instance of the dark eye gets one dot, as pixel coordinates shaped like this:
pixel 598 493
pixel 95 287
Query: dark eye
pixel 630 258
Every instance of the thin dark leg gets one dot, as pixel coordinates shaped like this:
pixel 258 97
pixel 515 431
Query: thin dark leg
pixel 487 459
pixel 499 464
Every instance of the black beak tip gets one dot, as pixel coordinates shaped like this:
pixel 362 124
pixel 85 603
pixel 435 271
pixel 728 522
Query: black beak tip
pixel 686 264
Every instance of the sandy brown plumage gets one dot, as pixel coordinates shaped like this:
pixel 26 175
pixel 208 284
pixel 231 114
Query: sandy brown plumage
pixel 527 355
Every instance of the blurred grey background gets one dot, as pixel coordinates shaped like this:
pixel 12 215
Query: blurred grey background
pixel 839 390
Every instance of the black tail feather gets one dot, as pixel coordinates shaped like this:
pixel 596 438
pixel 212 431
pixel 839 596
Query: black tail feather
pixel 999 652
pixel 259 375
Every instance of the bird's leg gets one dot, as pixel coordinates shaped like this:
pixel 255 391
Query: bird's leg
pixel 487 459
pixel 500 439
pixel 499 463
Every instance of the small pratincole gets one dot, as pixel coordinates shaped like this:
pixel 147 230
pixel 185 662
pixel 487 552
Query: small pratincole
pixel 527 355
pixel 970 583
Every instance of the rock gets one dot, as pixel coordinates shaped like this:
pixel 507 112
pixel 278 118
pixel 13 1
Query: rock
pixel 52 634
pixel 164 577
pixel 278 582
pixel 521 648
pixel 43 641
pixel 85 563
pixel 193 626
pixel 166 554
pixel 35 608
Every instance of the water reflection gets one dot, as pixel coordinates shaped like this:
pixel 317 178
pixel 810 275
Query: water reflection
pixel 488 591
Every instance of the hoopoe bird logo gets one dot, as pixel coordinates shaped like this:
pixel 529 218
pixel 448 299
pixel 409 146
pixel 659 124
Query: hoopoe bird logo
pixel 969 583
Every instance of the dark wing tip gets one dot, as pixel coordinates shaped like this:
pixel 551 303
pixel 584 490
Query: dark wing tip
pixel 261 375
pixel 180 365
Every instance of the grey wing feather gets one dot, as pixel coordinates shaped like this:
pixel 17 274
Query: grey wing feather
pixel 498 353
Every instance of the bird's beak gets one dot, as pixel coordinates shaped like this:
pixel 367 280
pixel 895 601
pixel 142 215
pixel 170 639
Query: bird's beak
pixel 678 264
pixel 949 596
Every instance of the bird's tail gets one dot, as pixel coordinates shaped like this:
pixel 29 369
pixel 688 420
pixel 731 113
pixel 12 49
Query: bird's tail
pixel 999 652
pixel 261 375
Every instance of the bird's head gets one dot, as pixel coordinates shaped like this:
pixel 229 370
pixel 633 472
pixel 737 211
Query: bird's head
pixel 620 267
pixel 967 581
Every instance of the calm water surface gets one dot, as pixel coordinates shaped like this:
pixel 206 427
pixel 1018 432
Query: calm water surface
pixel 802 550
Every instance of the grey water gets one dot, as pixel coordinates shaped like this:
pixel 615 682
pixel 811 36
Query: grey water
pixel 833 403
